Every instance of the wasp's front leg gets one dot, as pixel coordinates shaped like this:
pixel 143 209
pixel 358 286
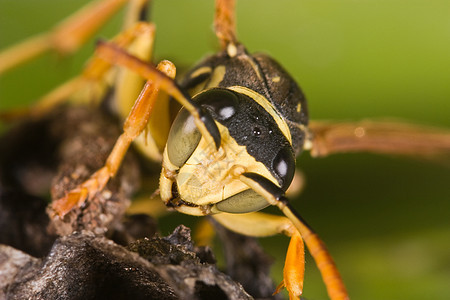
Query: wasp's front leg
pixel 202 118
pixel 133 127
pixel 260 225
pixel 275 196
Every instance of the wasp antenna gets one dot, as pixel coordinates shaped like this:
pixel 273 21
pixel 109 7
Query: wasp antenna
pixel 118 56
pixel 224 22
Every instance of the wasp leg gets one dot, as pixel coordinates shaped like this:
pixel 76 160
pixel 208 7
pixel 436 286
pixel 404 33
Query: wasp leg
pixel 224 22
pixel 379 137
pixel 203 120
pixel 134 125
pixel 66 37
pixel 275 196
pixel 91 85
pixel 261 225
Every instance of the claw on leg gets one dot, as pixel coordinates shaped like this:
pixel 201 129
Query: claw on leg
pixel 62 206
pixel 80 194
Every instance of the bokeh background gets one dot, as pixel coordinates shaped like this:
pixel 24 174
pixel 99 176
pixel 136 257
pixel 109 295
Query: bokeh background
pixel 386 220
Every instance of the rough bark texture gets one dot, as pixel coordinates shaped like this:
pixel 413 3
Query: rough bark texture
pixel 87 266
pixel 79 256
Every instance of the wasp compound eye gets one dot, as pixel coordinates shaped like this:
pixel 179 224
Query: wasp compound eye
pixel 243 202
pixel 284 166
pixel 221 103
pixel 183 138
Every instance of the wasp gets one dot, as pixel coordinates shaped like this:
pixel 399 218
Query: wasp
pixel 230 151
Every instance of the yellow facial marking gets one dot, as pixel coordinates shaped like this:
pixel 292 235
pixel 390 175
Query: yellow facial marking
pixel 210 176
pixel 299 107
pixel 261 100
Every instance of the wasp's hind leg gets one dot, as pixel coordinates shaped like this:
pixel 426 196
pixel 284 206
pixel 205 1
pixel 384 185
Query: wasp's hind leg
pixel 68 36
pixel 92 84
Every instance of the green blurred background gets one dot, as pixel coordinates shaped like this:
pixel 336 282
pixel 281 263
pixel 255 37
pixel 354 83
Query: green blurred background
pixel 385 220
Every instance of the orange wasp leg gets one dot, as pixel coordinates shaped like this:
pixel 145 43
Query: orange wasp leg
pixel 259 224
pixel 134 125
pixel 204 122
pixel 386 137
pixel 294 268
pixel 327 267
pixel 91 80
pixel 275 196
pixel 66 37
